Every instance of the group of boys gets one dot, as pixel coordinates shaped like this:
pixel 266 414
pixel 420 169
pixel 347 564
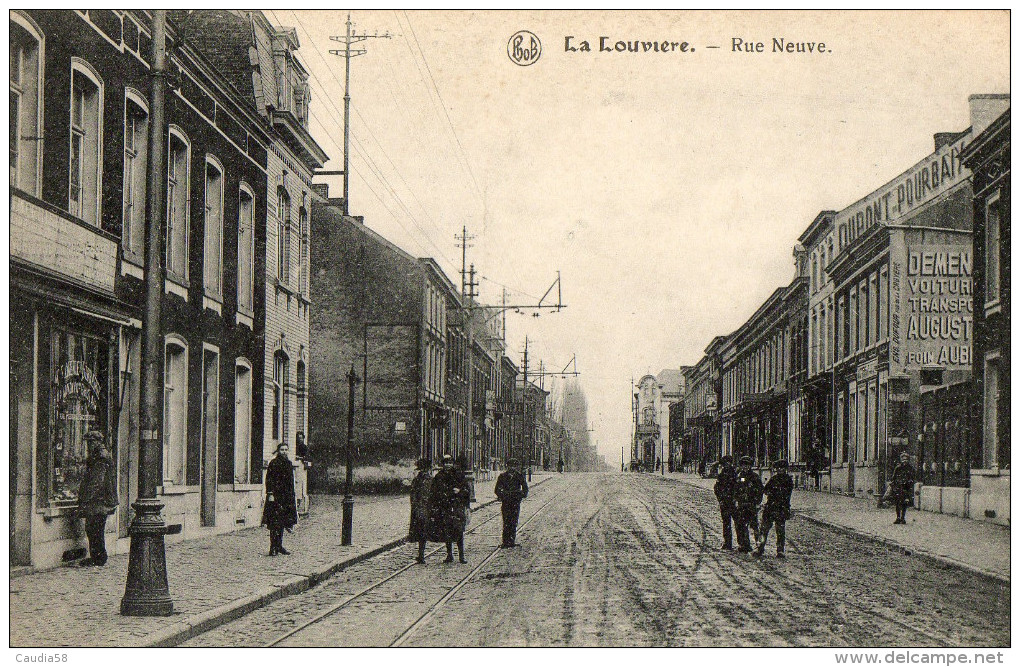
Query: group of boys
pixel 740 493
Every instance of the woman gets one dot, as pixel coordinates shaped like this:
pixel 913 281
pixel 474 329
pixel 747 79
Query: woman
pixel 449 504
pixel 280 510
pixel 421 486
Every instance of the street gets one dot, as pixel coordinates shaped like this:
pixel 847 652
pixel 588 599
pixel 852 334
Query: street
pixel 634 560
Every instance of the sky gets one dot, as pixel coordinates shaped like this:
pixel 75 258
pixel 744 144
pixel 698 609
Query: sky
pixel 667 189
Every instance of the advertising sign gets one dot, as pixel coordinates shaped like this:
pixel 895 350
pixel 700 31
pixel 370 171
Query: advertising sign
pixel 933 322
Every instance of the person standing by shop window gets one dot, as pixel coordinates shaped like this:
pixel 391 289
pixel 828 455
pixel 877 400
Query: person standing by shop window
pixel 280 510
pixel 97 496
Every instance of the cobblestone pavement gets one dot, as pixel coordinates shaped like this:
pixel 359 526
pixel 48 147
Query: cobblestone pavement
pixel 634 560
pixel 80 607
pixel 945 536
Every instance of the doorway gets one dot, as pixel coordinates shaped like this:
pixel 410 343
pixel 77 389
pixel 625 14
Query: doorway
pixel 210 432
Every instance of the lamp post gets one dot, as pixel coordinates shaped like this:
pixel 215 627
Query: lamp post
pixel 348 504
pixel 147 592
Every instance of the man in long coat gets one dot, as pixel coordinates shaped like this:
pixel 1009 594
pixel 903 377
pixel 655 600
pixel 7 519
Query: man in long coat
pixel 280 510
pixel 449 506
pixel 97 496
pixel 421 487
pixel 902 487
pixel 725 487
pixel 511 489
pixel 777 508
pixel 747 496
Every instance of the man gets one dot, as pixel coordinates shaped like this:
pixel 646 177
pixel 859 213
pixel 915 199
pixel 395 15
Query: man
pixel 725 485
pixel 511 489
pixel 97 497
pixel 777 508
pixel 902 487
pixel 450 503
pixel 747 497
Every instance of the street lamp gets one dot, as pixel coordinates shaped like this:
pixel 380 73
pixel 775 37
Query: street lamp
pixel 348 504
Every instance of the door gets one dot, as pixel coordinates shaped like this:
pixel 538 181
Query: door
pixel 242 424
pixel 851 482
pixel 210 433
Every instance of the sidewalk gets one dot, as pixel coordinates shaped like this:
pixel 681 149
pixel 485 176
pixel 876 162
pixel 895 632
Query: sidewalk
pixel 972 545
pixel 212 580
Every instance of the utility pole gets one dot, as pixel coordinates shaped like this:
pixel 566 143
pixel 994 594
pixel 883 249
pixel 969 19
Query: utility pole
pixel 348 503
pixel 524 410
pixel 347 52
pixel 147 592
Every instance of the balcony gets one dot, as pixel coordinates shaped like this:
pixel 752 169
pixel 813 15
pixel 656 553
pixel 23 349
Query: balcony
pixel 54 243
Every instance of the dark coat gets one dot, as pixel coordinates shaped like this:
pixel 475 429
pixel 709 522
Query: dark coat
pixel 449 504
pixel 280 510
pixel 747 490
pixel 97 494
pixel 726 486
pixel 778 489
pixel 421 487
pixel 511 487
pixel 902 483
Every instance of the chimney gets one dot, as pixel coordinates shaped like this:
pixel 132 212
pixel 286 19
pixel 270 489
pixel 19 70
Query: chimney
pixel 321 189
pixel 945 138
pixel 984 109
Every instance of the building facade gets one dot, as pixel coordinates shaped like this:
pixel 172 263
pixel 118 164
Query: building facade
pixel 80 103
pixel 988 158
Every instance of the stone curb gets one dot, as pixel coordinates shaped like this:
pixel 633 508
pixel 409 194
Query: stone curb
pixel 205 621
pixel 885 541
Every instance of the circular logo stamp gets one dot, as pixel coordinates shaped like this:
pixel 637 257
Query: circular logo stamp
pixel 524 48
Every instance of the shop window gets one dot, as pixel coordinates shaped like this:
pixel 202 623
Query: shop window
pixel 990 429
pixel 245 250
pixel 79 365
pixel 242 421
pixel 25 145
pixel 872 428
pixel 992 250
pixel 86 142
pixel 175 410
pixel 178 203
pixel 136 129
pixel 213 223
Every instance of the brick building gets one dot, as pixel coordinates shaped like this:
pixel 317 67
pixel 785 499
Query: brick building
pixel 988 158
pixel 80 90
pixel 384 313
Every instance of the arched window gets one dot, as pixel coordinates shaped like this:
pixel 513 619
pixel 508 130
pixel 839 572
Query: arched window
pixel 242 421
pixel 280 413
pixel 283 235
pixel 27 46
pixel 175 410
pixel 86 142
pixel 303 245
pixel 178 202
pixel 245 250
pixel 136 141
pixel 213 223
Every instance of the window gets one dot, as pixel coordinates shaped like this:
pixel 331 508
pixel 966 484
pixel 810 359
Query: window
pixel 213 268
pixel 991 412
pixel 245 250
pixel 178 202
pixel 136 128
pixel 854 323
pixel 86 142
pixel 872 429
pixel 883 304
pixel 242 421
pixel 814 271
pixel 813 343
pixel 992 250
pixel 873 308
pixel 175 410
pixel 283 236
pixel 280 415
pixel 78 398
pixel 303 254
pixel 841 424
pixel 25 95
pixel 301 393
pixel 829 335
pixel 864 314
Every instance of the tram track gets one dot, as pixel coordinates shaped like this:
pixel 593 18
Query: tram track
pixel 421 620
